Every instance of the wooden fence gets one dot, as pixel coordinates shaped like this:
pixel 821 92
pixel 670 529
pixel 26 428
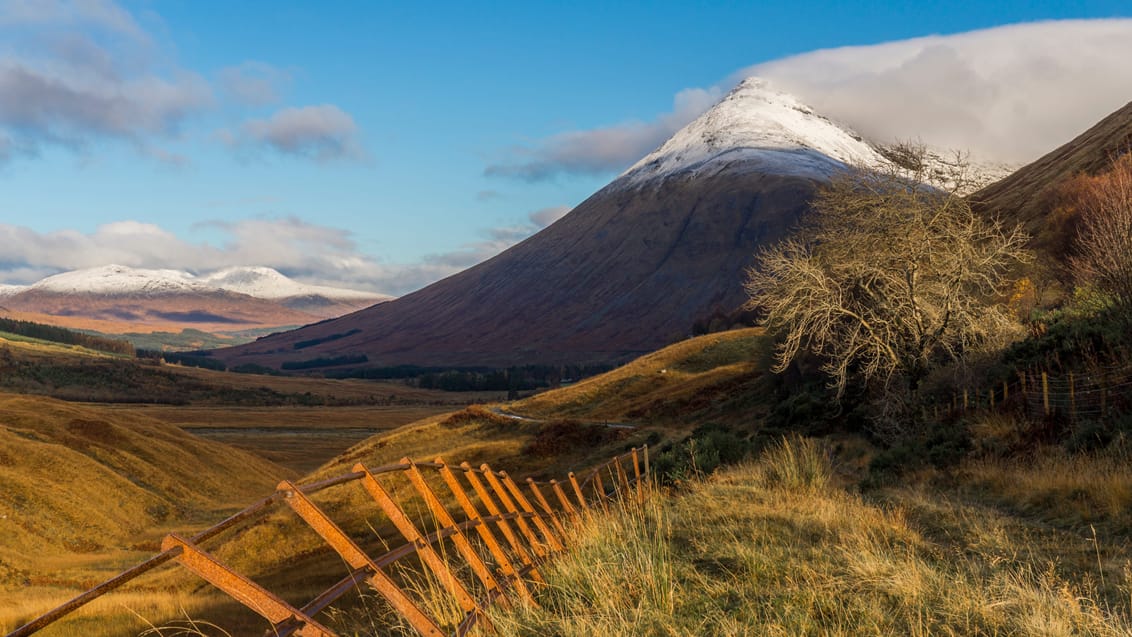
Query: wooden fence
pixel 1067 396
pixel 514 535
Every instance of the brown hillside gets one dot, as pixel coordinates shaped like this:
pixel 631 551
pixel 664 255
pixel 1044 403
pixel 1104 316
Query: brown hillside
pixel 1027 195
pixel 172 312
pixel 81 480
pixel 627 271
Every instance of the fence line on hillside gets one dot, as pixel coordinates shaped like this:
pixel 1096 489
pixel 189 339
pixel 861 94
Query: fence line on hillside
pixel 533 529
pixel 1041 394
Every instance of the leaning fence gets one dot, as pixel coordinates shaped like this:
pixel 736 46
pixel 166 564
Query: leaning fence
pixel 514 535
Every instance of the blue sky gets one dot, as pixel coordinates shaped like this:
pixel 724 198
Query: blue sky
pixel 383 146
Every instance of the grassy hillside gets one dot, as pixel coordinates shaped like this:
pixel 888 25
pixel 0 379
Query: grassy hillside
pixel 704 378
pixel 89 490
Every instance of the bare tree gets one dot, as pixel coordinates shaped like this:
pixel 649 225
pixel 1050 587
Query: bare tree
pixel 1104 237
pixel 891 275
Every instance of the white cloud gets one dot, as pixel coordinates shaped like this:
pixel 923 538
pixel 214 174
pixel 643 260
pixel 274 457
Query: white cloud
pixel 607 149
pixel 322 133
pixel 72 73
pixel 1009 93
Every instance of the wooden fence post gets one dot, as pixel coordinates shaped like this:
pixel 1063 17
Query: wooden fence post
pixel 1072 400
pixel 1045 392
pixel 252 595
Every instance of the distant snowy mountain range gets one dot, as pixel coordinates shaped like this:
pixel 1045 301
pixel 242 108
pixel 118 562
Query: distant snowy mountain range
pixel 121 299
pixel 120 280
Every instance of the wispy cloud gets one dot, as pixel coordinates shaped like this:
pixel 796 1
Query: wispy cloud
pixel 254 83
pixel 1005 94
pixel 78 73
pixel 606 149
pixel 72 73
pixel 546 216
pixel 322 133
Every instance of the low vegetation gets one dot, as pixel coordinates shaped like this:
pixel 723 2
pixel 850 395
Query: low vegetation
pixel 784 546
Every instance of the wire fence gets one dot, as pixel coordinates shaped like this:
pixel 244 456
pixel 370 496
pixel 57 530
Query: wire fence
pixel 500 533
pixel 1096 394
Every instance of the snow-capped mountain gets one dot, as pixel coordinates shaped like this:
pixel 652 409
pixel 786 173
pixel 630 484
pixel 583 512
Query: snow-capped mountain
pixel 266 283
pixel 117 280
pixel 116 298
pixel 8 290
pixel 257 282
pixel 757 128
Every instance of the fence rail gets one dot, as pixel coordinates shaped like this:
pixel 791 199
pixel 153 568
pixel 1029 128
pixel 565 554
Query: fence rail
pixel 495 507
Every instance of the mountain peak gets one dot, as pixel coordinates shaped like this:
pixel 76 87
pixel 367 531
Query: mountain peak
pixel 118 279
pixel 756 127
pixel 268 283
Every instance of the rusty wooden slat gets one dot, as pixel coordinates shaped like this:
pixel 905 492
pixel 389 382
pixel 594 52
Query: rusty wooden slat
pixel 242 589
pixel 601 498
pixel 503 525
pixel 445 519
pixel 645 449
pixel 567 506
pixel 585 506
pixel 356 558
pixel 550 513
pixel 484 530
pixel 622 478
pixel 409 531
pixel 637 477
pixel 525 504
pixel 540 547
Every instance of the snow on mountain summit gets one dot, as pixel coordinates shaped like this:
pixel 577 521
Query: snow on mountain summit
pixel 118 280
pixel 267 283
pixel 766 130
pixel 258 282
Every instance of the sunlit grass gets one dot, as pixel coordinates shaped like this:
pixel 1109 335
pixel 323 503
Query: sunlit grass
pixel 773 548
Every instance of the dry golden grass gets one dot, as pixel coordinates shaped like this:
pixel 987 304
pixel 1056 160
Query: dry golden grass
pixel 750 553
pixel 670 385
pixel 89 491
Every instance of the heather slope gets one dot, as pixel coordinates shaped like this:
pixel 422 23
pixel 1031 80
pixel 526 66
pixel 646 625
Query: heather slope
pixel 1027 196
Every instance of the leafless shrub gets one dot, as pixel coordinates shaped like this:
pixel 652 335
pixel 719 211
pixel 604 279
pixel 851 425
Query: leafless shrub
pixel 892 275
